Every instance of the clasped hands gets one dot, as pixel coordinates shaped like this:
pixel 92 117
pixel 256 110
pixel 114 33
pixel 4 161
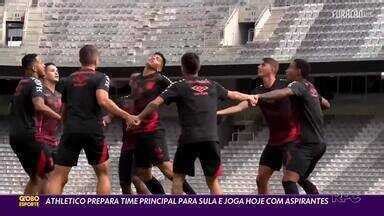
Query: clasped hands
pixel 253 100
pixel 132 121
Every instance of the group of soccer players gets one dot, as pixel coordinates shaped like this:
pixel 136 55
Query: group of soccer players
pixel 81 103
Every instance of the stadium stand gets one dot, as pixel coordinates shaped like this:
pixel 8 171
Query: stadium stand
pixel 321 31
pixel 126 32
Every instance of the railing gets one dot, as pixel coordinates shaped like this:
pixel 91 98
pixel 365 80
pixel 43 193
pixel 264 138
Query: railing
pixel 237 134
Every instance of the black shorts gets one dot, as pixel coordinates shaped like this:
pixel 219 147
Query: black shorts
pixel 305 158
pixel 27 150
pixel 150 149
pixel 208 154
pixel 126 166
pixel 47 158
pixel 275 156
pixel 71 144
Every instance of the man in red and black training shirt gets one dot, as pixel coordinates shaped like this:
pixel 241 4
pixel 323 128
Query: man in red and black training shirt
pixel 308 103
pixel 150 144
pixel 196 99
pixel 127 167
pixel 26 101
pixel 282 121
pixel 47 128
pixel 84 94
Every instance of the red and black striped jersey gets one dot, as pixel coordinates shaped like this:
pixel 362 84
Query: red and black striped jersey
pixel 47 128
pixel 280 115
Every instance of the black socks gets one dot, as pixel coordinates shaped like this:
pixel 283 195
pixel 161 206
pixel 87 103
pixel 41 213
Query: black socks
pixel 187 188
pixel 308 186
pixel 154 186
pixel 290 187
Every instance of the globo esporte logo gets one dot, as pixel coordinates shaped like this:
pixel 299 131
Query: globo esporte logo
pixel 29 201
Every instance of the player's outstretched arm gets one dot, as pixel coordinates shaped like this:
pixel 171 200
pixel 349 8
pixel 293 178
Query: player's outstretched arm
pixel 325 104
pixel 39 105
pixel 152 106
pixel 110 106
pixel 234 109
pixel 275 94
pixel 235 95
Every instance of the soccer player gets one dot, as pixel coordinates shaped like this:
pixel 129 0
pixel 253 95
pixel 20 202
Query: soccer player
pixel 150 144
pixel 127 166
pixel 282 121
pixel 47 128
pixel 196 98
pixel 26 101
pixel 85 93
pixel 308 103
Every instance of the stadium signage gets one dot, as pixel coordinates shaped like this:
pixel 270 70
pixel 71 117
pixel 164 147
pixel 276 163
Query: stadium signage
pixel 350 14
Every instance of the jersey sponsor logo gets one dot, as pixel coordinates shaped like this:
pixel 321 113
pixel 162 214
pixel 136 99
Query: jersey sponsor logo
pixel 80 80
pixel 150 85
pixel 200 89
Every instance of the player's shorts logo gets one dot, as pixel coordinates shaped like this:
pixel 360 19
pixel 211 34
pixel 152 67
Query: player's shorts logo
pixel 29 201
